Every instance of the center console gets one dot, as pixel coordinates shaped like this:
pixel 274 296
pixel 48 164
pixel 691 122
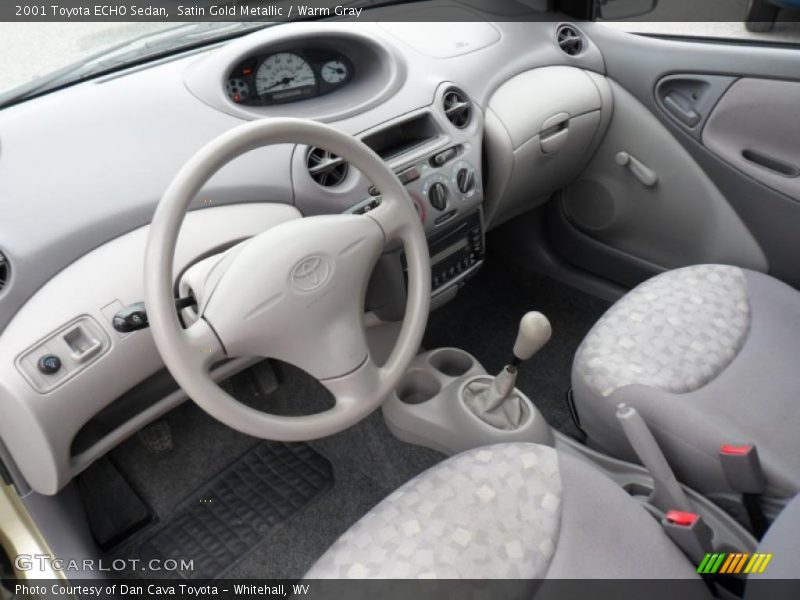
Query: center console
pixel 439 165
pixel 430 408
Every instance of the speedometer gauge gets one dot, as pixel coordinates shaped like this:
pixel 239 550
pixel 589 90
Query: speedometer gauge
pixel 284 75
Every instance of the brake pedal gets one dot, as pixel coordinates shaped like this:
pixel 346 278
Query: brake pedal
pixel 156 437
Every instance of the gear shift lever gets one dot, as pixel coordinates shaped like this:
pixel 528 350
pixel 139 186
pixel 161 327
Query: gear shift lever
pixel 498 403
pixel 534 332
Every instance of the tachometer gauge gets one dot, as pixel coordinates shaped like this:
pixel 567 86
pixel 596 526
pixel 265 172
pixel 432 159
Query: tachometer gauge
pixel 238 90
pixel 334 71
pixel 284 75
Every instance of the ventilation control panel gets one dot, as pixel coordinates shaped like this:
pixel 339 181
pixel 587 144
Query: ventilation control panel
pixel 444 187
pixel 63 354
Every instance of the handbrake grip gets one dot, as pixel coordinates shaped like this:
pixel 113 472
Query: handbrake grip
pixel 667 492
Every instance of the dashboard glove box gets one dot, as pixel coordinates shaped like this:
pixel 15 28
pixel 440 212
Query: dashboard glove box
pixel 541 128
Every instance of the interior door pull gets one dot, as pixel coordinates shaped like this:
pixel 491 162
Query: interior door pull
pixel 771 163
pixel 687 115
pixel 642 172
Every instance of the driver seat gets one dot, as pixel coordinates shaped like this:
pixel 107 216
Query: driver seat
pixel 510 511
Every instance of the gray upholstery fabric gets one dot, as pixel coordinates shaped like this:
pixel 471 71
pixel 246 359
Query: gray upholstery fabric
pixel 606 534
pixel 506 511
pixel 492 512
pixel 674 332
pixel 754 399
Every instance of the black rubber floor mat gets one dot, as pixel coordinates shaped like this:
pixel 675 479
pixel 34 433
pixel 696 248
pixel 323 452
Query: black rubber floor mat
pixel 225 519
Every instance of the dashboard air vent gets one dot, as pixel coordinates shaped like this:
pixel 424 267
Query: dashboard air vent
pixel 457 108
pixel 327 169
pixel 569 40
pixel 4 271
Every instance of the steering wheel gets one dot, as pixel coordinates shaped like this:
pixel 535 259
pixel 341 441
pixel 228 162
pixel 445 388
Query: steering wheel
pixel 295 292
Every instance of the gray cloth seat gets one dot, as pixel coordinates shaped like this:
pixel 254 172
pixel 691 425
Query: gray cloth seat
pixel 708 355
pixel 506 511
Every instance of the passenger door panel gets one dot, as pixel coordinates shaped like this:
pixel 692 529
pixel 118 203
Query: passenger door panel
pixel 723 138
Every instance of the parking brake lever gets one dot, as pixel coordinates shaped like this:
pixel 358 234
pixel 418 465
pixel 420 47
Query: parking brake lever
pixel 667 492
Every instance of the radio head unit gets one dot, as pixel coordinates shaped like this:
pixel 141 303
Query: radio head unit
pixel 456 253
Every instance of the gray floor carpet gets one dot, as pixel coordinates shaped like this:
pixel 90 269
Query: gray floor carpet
pixel 484 317
pixel 368 462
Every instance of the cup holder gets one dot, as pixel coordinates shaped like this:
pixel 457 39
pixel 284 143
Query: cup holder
pixel 417 387
pixel 452 363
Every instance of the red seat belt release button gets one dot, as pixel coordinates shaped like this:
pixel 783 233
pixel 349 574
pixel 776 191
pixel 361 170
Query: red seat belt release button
pixel 689 532
pixel 742 468
pixel 681 517
pixel 734 450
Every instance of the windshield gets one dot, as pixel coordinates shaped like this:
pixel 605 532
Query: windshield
pixel 37 57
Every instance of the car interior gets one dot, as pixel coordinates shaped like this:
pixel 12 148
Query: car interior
pixel 463 289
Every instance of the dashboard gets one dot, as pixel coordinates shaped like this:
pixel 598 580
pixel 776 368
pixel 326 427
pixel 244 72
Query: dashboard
pixel 431 99
pixel 288 76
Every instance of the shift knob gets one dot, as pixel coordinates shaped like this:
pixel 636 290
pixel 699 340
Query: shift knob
pixel 534 331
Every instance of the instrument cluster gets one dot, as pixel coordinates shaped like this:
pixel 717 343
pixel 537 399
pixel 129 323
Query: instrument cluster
pixel 288 76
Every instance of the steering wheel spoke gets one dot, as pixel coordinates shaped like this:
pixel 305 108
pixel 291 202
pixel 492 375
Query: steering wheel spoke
pixel 203 344
pixel 394 216
pixel 358 392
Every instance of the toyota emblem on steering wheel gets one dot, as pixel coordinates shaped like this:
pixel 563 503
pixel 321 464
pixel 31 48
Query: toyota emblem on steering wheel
pixel 311 273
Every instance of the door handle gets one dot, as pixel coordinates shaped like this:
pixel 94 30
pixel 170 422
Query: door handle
pixel 677 106
pixel 642 172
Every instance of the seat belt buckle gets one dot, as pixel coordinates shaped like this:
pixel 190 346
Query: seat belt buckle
pixel 690 533
pixel 742 468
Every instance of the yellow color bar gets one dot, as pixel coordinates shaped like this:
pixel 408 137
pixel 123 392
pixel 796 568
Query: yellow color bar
pixel 751 564
pixel 767 558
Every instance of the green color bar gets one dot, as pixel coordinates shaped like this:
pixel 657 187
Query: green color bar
pixel 701 567
pixel 711 560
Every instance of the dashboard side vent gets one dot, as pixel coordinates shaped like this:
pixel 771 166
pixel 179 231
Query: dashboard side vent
pixel 457 107
pixel 327 169
pixel 5 271
pixel 569 40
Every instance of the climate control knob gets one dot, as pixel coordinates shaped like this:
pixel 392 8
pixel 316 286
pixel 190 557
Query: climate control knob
pixel 465 180
pixel 437 196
